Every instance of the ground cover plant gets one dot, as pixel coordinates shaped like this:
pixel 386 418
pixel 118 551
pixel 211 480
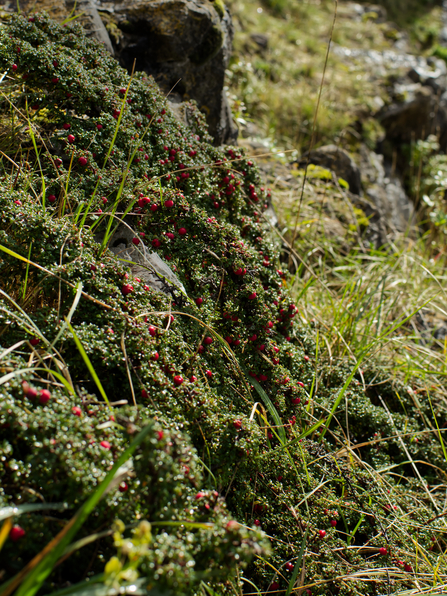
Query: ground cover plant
pixel 211 440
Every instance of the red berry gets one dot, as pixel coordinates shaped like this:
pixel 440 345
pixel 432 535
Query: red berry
pixel 105 444
pixel 408 568
pixel 155 356
pixel 193 379
pixel 322 533
pixel 70 138
pixel 14 67
pixel 209 374
pixel 152 330
pixel 136 241
pixel 159 435
pixel 169 203
pixel 45 396
pixel 83 161
pixel 99 126
pixel 383 551
pixel 123 487
pixel 156 242
pixel 76 410
pixel 333 522
pixel 154 207
pixel 127 289
pixel 289 566
pixel 257 522
pixel 252 296
pixel 178 380
pixel 16 532
pixel 34 341
pixel 123 90
pixel 274 586
pixel 300 383
pixel 51 199
pixel 66 126
pixel 31 393
pixel 170 235
pixel 208 341
pixel 55 80
pixel 199 301
pixel 182 231
pixel 237 424
pixel 229 340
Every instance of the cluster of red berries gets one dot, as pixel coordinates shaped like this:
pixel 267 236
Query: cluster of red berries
pixel 32 393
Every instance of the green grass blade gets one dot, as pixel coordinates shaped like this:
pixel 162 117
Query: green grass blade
pixel 269 405
pixel 48 371
pixel 351 536
pixel 298 563
pixel 33 140
pixel 37 576
pixel 305 433
pixel 88 363
pixel 13 511
pixel 250 583
pixel 69 317
pixel 27 271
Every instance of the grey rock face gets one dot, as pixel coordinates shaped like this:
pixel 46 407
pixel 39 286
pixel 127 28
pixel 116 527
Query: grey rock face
pixel 145 264
pixel 339 161
pixel 91 21
pixel 423 112
pixel 388 194
pixel 185 45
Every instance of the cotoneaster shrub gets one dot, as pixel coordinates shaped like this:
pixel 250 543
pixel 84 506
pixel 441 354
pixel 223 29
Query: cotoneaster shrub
pixel 109 143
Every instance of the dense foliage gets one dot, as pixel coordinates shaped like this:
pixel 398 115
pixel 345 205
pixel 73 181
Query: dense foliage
pixel 224 373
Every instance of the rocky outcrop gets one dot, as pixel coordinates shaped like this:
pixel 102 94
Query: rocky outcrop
pixel 339 161
pixel 91 21
pixel 185 45
pixel 419 105
pixel 143 263
pixel 384 189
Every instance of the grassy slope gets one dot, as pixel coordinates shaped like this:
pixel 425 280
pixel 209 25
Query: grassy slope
pixel 279 86
pixel 351 294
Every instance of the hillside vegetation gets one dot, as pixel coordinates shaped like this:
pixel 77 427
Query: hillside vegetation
pixel 267 416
